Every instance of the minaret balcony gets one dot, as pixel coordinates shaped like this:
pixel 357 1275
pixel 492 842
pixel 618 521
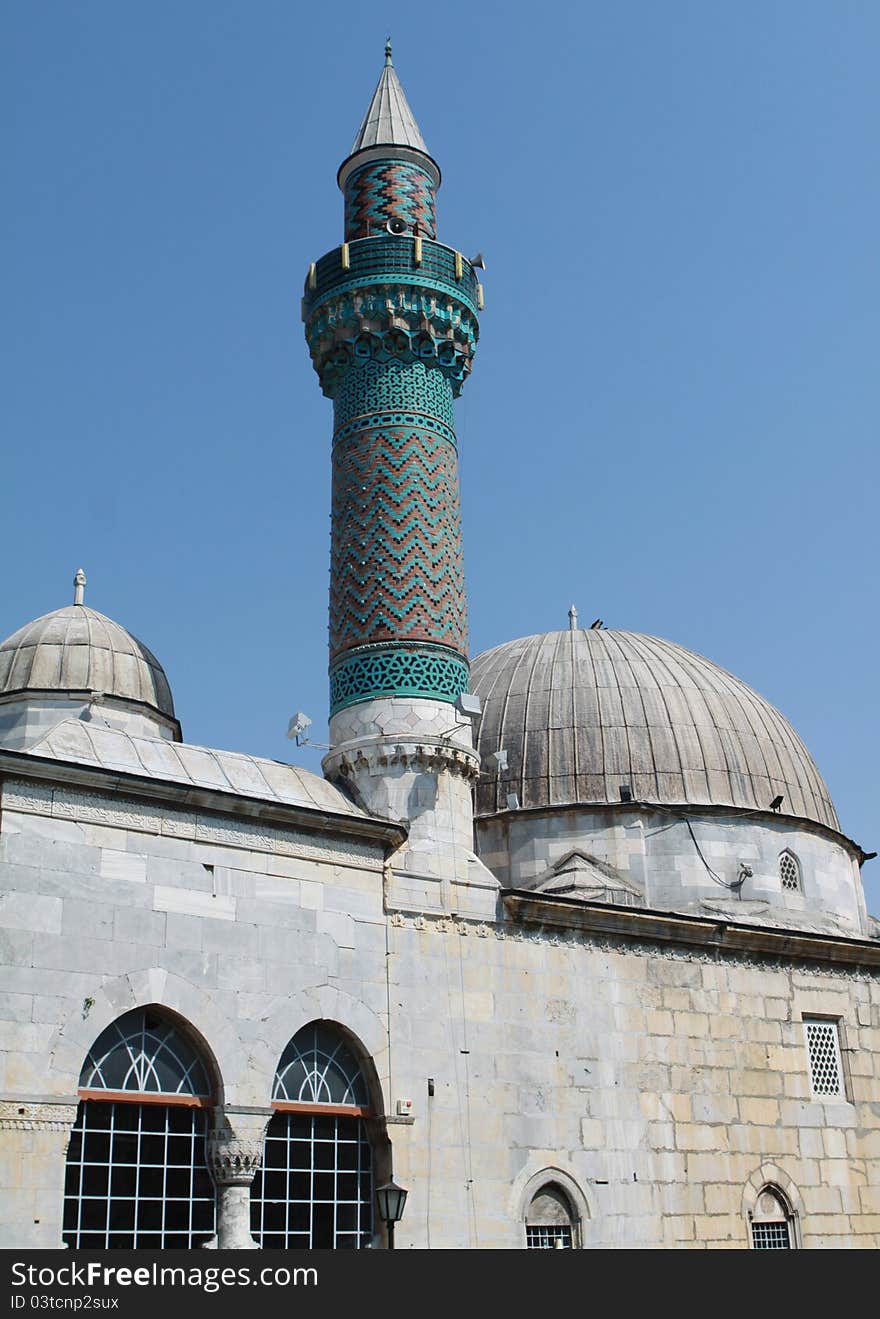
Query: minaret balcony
pixel 388 259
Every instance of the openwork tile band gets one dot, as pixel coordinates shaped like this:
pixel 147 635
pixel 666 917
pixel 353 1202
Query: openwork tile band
pixel 372 386
pixel 386 190
pixel 371 673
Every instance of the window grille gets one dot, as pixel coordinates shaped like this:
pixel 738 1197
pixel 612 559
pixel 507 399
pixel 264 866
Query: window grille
pixel 315 1188
pixel 317 1067
pixel 137 1179
pixel 136 1175
pixel 823 1052
pixel 789 872
pixel 771 1222
pixel 550 1220
pixel 549 1238
pixel 771 1236
pixel 144 1053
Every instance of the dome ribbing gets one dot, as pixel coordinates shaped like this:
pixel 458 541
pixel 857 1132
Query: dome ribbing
pixel 582 713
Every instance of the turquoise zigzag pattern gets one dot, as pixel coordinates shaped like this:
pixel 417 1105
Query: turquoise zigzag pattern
pixel 397 572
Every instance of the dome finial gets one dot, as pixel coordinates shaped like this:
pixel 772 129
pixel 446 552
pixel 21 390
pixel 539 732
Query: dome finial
pixel 79 587
pixel 572 619
pixel 388 59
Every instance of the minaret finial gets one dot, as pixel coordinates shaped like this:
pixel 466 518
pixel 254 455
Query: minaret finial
pixel 388 59
pixel 572 619
pixel 79 586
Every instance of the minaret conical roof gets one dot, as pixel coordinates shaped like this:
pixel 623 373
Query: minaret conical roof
pixel 389 129
pixel 389 120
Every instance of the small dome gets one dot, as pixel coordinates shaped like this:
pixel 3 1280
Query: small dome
pixel 76 649
pixel 582 713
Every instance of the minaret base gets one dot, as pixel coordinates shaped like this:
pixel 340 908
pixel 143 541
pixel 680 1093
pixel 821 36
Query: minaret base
pixel 411 759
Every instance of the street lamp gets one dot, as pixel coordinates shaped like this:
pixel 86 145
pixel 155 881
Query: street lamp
pixel 391 1199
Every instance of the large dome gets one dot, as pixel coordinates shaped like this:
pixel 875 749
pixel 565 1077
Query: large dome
pixel 76 649
pixel 582 712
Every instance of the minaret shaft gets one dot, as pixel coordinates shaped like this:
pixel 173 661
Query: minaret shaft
pixel 391 323
pixel 397 576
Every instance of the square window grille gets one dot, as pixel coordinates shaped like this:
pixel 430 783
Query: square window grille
pixel 126 1192
pixel 770 1236
pixel 549 1238
pixel 823 1052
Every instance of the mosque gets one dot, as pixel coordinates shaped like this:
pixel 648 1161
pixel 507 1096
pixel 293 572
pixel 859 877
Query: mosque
pixel 567 942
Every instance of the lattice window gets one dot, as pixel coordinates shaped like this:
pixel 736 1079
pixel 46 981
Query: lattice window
pixel 318 1067
pixel 771 1222
pixel 789 872
pixel 144 1053
pixel 823 1053
pixel 137 1179
pixel 550 1222
pixel 548 1238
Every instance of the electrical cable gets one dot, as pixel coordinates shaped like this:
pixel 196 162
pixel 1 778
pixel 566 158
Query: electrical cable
pixel 734 885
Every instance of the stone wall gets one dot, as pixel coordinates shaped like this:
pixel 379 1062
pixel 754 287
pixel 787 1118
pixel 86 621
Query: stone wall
pixel 661 1081
pixel 653 849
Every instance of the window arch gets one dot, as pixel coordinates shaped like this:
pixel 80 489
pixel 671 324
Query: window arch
pixel 551 1222
pixel 771 1221
pixel 315 1188
pixel 789 872
pixel 136 1174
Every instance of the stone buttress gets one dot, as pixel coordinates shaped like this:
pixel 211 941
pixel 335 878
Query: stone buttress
pixel 391 324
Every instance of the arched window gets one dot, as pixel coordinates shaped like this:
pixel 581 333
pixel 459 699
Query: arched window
pixel 789 872
pixel 550 1220
pixel 315 1189
pixel 771 1221
pixel 136 1174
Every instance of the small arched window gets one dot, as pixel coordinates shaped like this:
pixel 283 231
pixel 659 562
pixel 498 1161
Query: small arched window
pixel 550 1220
pixel 315 1188
pixel 771 1221
pixel 789 872
pixel 136 1176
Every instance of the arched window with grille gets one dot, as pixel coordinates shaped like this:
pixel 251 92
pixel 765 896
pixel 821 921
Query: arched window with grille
pixel 551 1223
pixel 315 1189
pixel 772 1222
pixel 789 872
pixel 136 1175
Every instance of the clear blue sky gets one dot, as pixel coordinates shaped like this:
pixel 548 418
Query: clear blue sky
pixel 673 419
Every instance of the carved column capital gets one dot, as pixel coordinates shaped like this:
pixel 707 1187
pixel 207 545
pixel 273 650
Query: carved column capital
pixel 233 1159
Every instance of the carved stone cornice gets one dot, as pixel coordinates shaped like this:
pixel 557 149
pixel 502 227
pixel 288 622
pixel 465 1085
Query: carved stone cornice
pixel 36 1116
pixel 428 756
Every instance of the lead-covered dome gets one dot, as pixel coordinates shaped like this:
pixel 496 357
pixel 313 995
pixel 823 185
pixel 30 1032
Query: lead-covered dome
pixel 583 713
pixel 76 650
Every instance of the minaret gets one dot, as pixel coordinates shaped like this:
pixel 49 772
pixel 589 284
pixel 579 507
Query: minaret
pixel 391 324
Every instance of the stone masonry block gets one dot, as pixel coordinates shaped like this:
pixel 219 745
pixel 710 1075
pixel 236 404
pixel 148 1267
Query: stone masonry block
pixel 29 911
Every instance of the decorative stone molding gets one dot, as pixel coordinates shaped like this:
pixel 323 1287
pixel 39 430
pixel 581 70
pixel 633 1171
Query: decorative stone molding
pixel 535 1175
pixel 36 1117
pixel 433 756
pixel 635 945
pixel 130 813
pixel 770 1177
